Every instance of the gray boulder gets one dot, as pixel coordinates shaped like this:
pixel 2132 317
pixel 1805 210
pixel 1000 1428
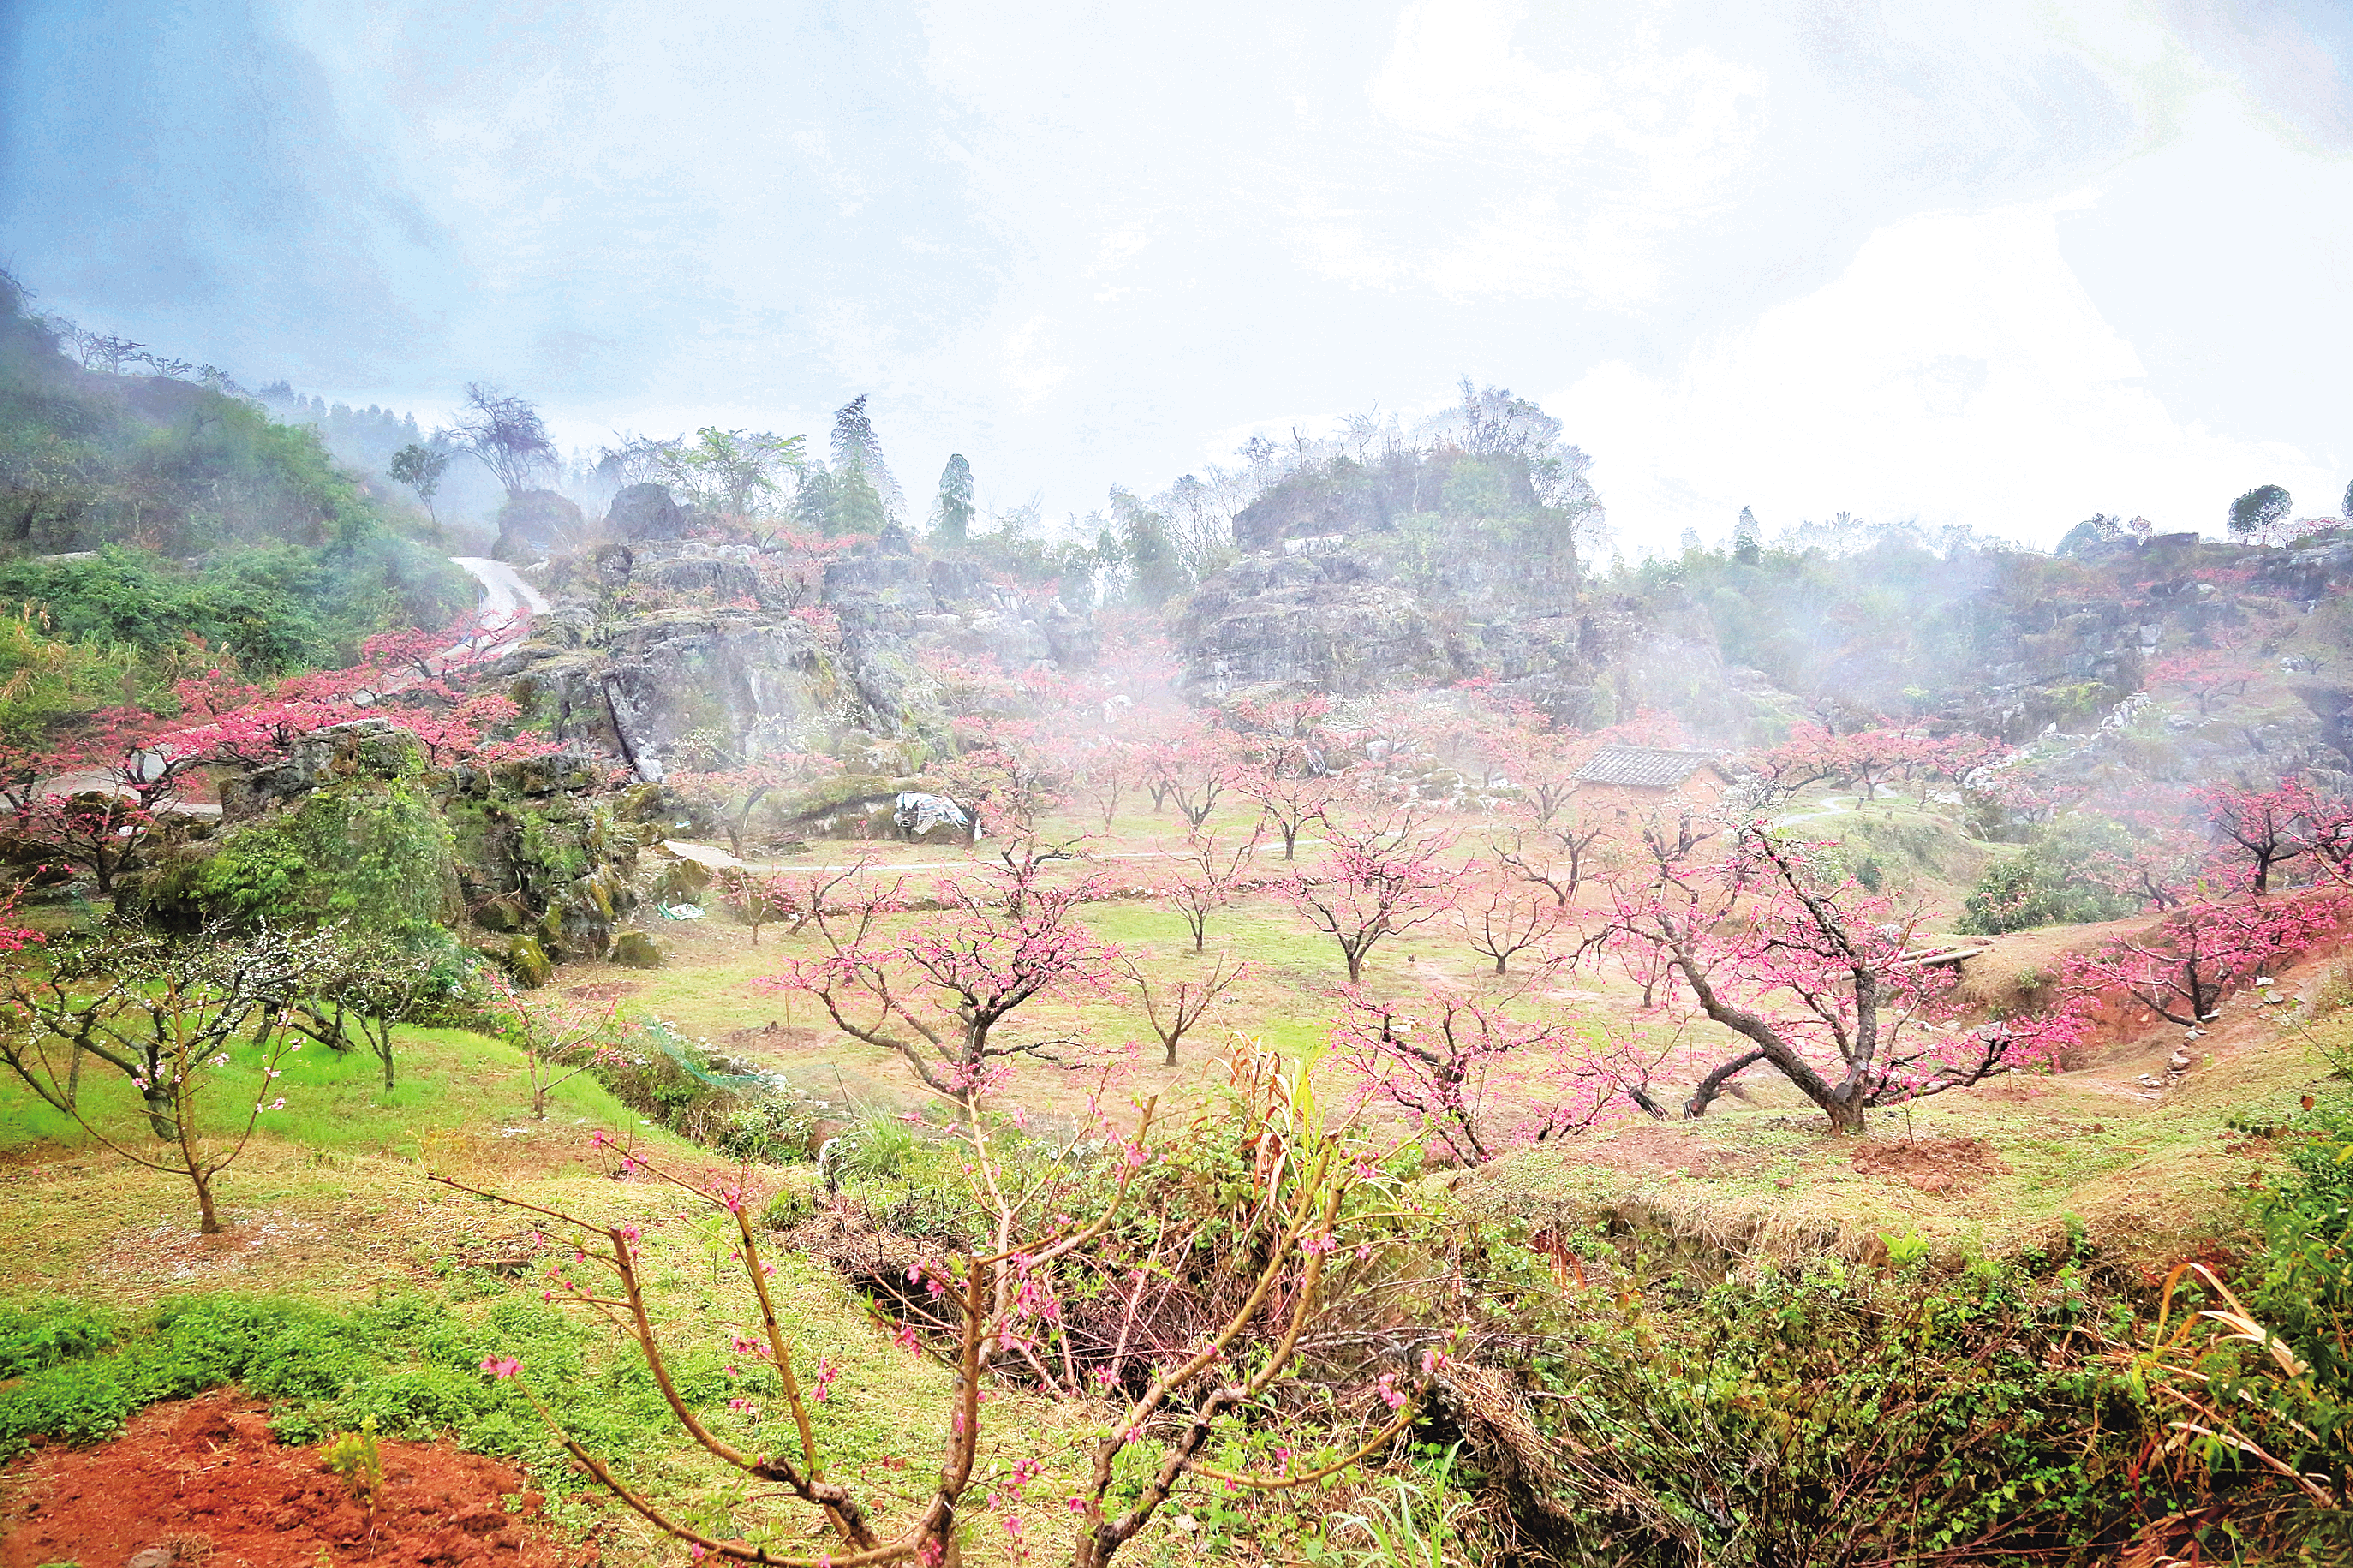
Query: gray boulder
pixel 646 511
pixel 532 524
pixel 918 816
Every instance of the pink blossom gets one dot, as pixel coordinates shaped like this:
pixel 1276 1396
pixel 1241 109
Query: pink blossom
pixel 501 1366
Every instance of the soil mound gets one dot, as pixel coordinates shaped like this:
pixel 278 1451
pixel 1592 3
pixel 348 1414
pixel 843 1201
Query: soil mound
pixel 201 1483
pixel 1933 1165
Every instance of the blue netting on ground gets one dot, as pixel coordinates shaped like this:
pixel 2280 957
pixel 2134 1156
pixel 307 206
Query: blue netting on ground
pixel 694 1059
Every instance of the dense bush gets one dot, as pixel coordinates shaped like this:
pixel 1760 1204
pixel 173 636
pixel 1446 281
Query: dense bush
pixel 1837 1416
pixel 272 607
pixel 372 853
pixel 2055 880
pixel 2257 1382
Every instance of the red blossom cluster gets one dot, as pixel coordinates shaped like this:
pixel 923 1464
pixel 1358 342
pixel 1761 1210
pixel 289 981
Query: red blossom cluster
pixel 91 799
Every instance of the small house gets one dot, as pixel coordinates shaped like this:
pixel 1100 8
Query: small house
pixel 1643 781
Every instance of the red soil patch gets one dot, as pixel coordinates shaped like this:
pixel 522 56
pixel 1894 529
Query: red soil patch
pixel 1933 1165
pixel 204 1479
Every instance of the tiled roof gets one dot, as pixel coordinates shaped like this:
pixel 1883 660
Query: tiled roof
pixel 1643 766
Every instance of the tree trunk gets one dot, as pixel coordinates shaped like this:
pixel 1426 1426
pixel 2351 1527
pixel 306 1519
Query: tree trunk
pixel 1846 1114
pixel 1355 964
pixel 1170 1041
pixel 160 1118
pixel 211 1223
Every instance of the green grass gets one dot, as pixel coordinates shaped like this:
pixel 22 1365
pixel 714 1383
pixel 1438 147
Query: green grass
pixel 449 1081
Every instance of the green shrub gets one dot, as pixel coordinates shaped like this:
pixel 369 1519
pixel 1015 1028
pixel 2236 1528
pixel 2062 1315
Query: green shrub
pixel 44 1333
pixel 1831 1416
pixel 372 853
pixel 2046 883
pixel 408 1364
pixel 2254 1376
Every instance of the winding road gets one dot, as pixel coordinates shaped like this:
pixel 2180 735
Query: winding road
pixel 506 597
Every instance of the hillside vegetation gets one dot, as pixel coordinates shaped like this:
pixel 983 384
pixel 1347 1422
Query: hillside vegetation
pixel 1322 1016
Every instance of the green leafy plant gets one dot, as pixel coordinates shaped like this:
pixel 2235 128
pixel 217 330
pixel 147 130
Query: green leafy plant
pixel 2257 1383
pixel 352 1455
pixel 1413 1525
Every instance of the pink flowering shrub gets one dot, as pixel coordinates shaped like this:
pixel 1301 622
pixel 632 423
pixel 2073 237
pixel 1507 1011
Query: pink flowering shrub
pixel 940 994
pixel 1817 978
pixel 1020 1303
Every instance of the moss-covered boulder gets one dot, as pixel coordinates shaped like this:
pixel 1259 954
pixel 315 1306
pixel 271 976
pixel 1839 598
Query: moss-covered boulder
pixel 637 949
pixel 528 963
pixel 341 752
pixel 374 852
pixel 682 882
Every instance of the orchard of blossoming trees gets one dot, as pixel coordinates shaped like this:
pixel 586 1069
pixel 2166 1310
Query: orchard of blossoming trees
pixel 1758 955
pixel 1318 981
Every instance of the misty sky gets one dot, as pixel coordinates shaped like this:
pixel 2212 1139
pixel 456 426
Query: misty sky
pixel 1999 264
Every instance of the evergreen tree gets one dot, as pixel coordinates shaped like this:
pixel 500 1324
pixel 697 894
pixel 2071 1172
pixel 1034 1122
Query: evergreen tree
pixel 951 513
pixel 2345 508
pixel 1747 539
pixel 1157 570
pixel 813 500
pixel 859 507
pixel 856 446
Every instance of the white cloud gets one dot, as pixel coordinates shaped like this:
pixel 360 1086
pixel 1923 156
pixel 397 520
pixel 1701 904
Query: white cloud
pixel 1030 369
pixel 1645 143
pixel 1957 372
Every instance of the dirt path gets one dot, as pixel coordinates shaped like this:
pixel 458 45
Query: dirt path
pixel 504 593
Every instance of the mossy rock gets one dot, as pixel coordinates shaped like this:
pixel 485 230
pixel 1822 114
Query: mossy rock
pixel 502 912
pixel 372 852
pixel 682 882
pixel 636 950
pixel 554 773
pixel 528 963
pixel 643 803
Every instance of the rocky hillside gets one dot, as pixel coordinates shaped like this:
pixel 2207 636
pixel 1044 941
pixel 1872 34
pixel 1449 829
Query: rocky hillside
pixel 1965 633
